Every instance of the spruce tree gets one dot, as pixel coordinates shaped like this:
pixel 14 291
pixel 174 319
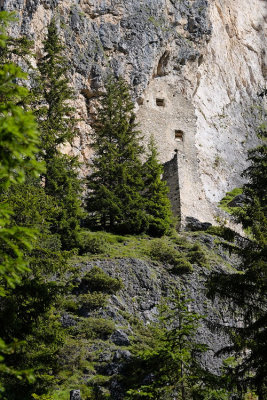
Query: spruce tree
pixel 30 255
pixel 18 148
pixel 248 289
pixel 57 124
pixel 157 203
pixel 169 363
pixel 114 200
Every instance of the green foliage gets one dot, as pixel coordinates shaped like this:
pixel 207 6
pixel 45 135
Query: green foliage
pixel 93 301
pixel 114 201
pixel 96 328
pixel 124 196
pixel 222 231
pixel 182 266
pixel 170 358
pixel 248 287
pixel 55 117
pixel 18 147
pixel 97 280
pixel 198 256
pixel 156 201
pixel 164 251
pixel 94 243
pixel 63 185
pixel 228 198
pixel 57 125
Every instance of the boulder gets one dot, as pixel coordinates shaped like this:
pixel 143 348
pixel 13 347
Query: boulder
pixel 193 225
pixel 120 338
pixel 75 395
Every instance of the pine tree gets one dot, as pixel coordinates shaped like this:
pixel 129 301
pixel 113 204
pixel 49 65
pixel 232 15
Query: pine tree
pixel 57 124
pixel 248 289
pixel 170 359
pixel 18 147
pixel 114 201
pixel 157 204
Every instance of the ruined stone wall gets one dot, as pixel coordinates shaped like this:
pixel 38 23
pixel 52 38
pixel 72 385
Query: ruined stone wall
pixel 171 176
pixel 205 59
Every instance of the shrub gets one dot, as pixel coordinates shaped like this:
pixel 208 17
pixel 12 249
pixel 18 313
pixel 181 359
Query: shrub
pixel 165 252
pixel 182 266
pixel 97 280
pixel 93 301
pixel 222 231
pixel 224 203
pixel 96 328
pixel 94 243
pixel 70 304
pixel 197 255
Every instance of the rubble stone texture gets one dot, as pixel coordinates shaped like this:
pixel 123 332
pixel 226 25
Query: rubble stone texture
pixel 204 60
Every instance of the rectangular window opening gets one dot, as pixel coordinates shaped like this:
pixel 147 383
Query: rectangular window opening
pixel 160 102
pixel 179 135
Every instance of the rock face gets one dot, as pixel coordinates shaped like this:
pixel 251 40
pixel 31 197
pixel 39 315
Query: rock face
pixel 75 395
pixel 144 284
pixel 195 67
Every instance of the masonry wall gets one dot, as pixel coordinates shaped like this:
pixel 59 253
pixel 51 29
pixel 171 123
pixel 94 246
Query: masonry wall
pixel 171 176
pixel 169 116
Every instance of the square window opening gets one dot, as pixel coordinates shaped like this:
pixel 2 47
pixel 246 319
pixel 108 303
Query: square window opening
pixel 179 135
pixel 160 102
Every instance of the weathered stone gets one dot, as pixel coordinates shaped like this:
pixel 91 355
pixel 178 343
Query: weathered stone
pixel 120 338
pixel 67 321
pixel 238 201
pixel 75 395
pixel 193 224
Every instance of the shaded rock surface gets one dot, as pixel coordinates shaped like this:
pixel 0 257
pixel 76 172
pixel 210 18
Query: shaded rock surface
pixel 75 395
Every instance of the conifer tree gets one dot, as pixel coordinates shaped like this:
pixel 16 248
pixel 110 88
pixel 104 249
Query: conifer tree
pixel 170 359
pixel 114 201
pixel 18 147
pixel 57 124
pixel 248 290
pixel 157 203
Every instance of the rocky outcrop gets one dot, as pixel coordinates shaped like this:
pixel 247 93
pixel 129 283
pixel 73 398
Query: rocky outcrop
pixel 195 67
pixel 144 284
pixel 75 395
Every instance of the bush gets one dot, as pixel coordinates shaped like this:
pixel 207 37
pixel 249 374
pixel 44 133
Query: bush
pixel 70 304
pixel 222 231
pixel 98 281
pixel 182 266
pixel 224 203
pixel 197 256
pixel 93 301
pixel 94 243
pixel 96 328
pixel 165 252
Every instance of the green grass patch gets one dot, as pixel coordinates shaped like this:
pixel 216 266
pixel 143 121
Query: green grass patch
pixel 163 250
pixel 223 204
pixel 198 256
pixel 96 280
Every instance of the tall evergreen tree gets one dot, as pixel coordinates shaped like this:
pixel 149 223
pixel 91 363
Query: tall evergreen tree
pixel 18 147
pixel 249 289
pixel 57 124
pixel 157 203
pixel 171 357
pixel 114 200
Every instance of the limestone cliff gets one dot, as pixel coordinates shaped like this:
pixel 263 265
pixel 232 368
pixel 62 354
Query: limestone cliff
pixel 195 67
